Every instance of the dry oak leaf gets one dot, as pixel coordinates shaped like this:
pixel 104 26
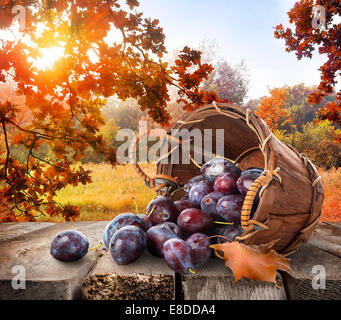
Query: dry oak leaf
pixel 256 262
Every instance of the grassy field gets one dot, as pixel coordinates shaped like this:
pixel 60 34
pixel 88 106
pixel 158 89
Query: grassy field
pixel 332 187
pixel 112 190
pixel 109 194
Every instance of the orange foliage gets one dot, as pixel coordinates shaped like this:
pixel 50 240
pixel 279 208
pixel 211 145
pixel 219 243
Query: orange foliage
pixel 332 187
pixel 65 100
pixel 271 109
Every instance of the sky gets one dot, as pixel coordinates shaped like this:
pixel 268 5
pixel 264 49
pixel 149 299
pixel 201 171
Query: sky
pixel 242 30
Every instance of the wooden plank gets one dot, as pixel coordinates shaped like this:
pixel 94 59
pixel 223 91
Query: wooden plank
pixel 301 281
pixel 148 278
pixel 335 224
pixel 96 276
pixel 215 282
pixel 327 237
pixel 11 230
pixel 46 277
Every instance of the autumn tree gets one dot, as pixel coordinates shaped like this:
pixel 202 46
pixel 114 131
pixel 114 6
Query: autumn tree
pixel 290 116
pixel 317 141
pixel 272 109
pixel 310 35
pixel 65 100
pixel 294 102
pixel 298 106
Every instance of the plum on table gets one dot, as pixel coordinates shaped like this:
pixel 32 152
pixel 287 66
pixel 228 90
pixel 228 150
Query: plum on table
pixel 69 246
pixel 181 205
pixel 200 247
pixel 127 245
pixel 177 255
pixel 122 220
pixel 158 235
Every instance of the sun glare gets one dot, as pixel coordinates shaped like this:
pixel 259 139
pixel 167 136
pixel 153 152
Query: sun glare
pixel 48 57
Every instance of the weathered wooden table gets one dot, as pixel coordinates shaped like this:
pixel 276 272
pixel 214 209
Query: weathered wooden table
pixel 24 253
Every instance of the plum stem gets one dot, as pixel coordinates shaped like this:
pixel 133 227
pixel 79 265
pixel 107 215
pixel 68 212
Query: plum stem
pixel 149 214
pixel 195 163
pixel 136 206
pixel 94 248
pixel 192 271
pixel 215 236
pixel 175 191
pixel 221 222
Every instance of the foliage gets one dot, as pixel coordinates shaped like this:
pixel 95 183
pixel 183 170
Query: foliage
pixel 108 132
pixel 317 141
pixel 290 116
pixel 229 82
pixel 65 100
pixel 289 102
pixel 305 39
pixel 301 111
pixel 272 110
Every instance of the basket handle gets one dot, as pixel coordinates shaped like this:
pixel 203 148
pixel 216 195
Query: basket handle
pixel 160 181
pixel 261 182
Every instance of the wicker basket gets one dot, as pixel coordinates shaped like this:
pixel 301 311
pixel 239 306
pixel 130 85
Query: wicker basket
pixel 291 196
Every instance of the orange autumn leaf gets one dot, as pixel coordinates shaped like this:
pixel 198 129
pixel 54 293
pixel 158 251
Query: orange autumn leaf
pixel 256 262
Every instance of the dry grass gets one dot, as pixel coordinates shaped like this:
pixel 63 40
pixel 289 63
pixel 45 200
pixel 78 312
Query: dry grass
pixel 112 190
pixel 332 187
pixel 109 194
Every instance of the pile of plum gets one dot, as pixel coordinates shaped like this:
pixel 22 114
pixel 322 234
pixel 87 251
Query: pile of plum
pixel 179 231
